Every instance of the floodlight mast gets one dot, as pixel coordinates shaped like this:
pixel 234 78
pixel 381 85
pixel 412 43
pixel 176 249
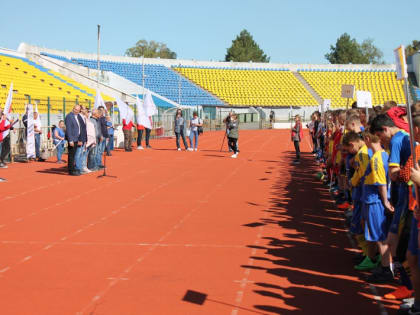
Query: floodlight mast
pixel 99 61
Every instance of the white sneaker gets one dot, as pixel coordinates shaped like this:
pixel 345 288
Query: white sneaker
pixel 190 149
pixel 140 147
pixel 179 149
pixel 86 170
pixel 234 156
pixel 195 149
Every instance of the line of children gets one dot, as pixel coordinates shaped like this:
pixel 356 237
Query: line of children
pixel 367 162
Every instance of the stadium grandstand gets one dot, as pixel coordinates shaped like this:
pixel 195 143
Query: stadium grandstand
pixel 40 73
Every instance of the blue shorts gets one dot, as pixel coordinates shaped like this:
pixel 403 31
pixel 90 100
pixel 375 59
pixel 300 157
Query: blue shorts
pixel 413 242
pixel 375 224
pixel 401 208
pixel 356 220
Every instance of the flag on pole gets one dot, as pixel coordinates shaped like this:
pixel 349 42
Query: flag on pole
pixel 149 105
pixel 130 115
pixel 124 110
pixel 30 137
pixel 142 118
pixel 98 100
pixel 401 63
pixel 8 104
pixel 8 109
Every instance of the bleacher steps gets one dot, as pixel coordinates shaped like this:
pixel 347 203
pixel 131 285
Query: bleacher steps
pixel 308 87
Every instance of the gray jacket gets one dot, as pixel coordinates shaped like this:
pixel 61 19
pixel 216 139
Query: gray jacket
pixel 98 129
pixel 296 135
pixel 233 127
pixel 179 124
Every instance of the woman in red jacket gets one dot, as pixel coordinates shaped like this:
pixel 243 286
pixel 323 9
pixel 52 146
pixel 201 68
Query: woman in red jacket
pixel 4 127
pixel 127 130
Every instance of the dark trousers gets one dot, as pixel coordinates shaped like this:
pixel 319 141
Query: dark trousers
pixel 5 149
pixel 297 149
pixel 127 139
pixel 140 136
pixel 178 135
pixel 232 144
pixel 110 145
pixel 71 157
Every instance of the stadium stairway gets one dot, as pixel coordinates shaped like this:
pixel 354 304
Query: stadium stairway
pixel 309 88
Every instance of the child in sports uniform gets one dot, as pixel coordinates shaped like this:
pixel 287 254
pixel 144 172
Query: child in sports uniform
pixel 376 203
pixel 354 144
pixel 398 142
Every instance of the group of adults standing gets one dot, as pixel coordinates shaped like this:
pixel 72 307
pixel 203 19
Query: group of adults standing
pixel 88 135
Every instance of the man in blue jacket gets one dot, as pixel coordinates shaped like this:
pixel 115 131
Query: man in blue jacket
pixel 73 130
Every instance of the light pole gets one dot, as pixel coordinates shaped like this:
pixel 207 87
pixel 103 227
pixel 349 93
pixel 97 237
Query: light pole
pixel 99 47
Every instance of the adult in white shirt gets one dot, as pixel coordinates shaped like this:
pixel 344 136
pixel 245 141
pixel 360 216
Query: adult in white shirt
pixel 38 133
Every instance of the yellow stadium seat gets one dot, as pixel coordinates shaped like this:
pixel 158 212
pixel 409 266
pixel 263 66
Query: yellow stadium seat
pixel 40 85
pixel 382 84
pixel 251 87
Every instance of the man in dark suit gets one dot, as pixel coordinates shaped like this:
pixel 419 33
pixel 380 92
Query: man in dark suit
pixel 81 149
pixel 73 130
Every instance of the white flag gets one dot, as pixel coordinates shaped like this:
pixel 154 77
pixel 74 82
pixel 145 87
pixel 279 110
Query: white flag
pixel 8 105
pixel 130 115
pixel 8 109
pixel 123 109
pixel 98 100
pixel 37 121
pixel 142 118
pixel 149 105
pixel 30 138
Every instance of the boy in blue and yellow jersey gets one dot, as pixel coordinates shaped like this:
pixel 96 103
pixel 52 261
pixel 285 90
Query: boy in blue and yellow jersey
pixel 398 142
pixel 355 145
pixel 376 203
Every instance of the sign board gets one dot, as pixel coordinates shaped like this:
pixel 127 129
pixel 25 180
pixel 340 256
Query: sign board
pixel 401 63
pixel 347 91
pixel 364 99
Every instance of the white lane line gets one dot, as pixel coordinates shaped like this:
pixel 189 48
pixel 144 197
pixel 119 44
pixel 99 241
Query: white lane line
pixel 4 269
pixel 215 188
pixel 26 259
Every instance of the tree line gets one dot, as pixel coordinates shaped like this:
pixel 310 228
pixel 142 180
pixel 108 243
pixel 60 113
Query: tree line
pixel 347 50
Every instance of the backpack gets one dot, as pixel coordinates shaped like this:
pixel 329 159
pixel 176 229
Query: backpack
pixel 200 128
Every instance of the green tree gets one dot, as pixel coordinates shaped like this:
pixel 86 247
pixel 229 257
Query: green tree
pixel 371 53
pixel 412 48
pixel 348 50
pixel 245 49
pixel 150 49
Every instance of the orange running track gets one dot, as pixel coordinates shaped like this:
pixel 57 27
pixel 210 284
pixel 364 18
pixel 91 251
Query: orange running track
pixel 254 235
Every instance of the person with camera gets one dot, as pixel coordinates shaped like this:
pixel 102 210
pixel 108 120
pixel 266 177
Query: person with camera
pixel 179 129
pixel 196 127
